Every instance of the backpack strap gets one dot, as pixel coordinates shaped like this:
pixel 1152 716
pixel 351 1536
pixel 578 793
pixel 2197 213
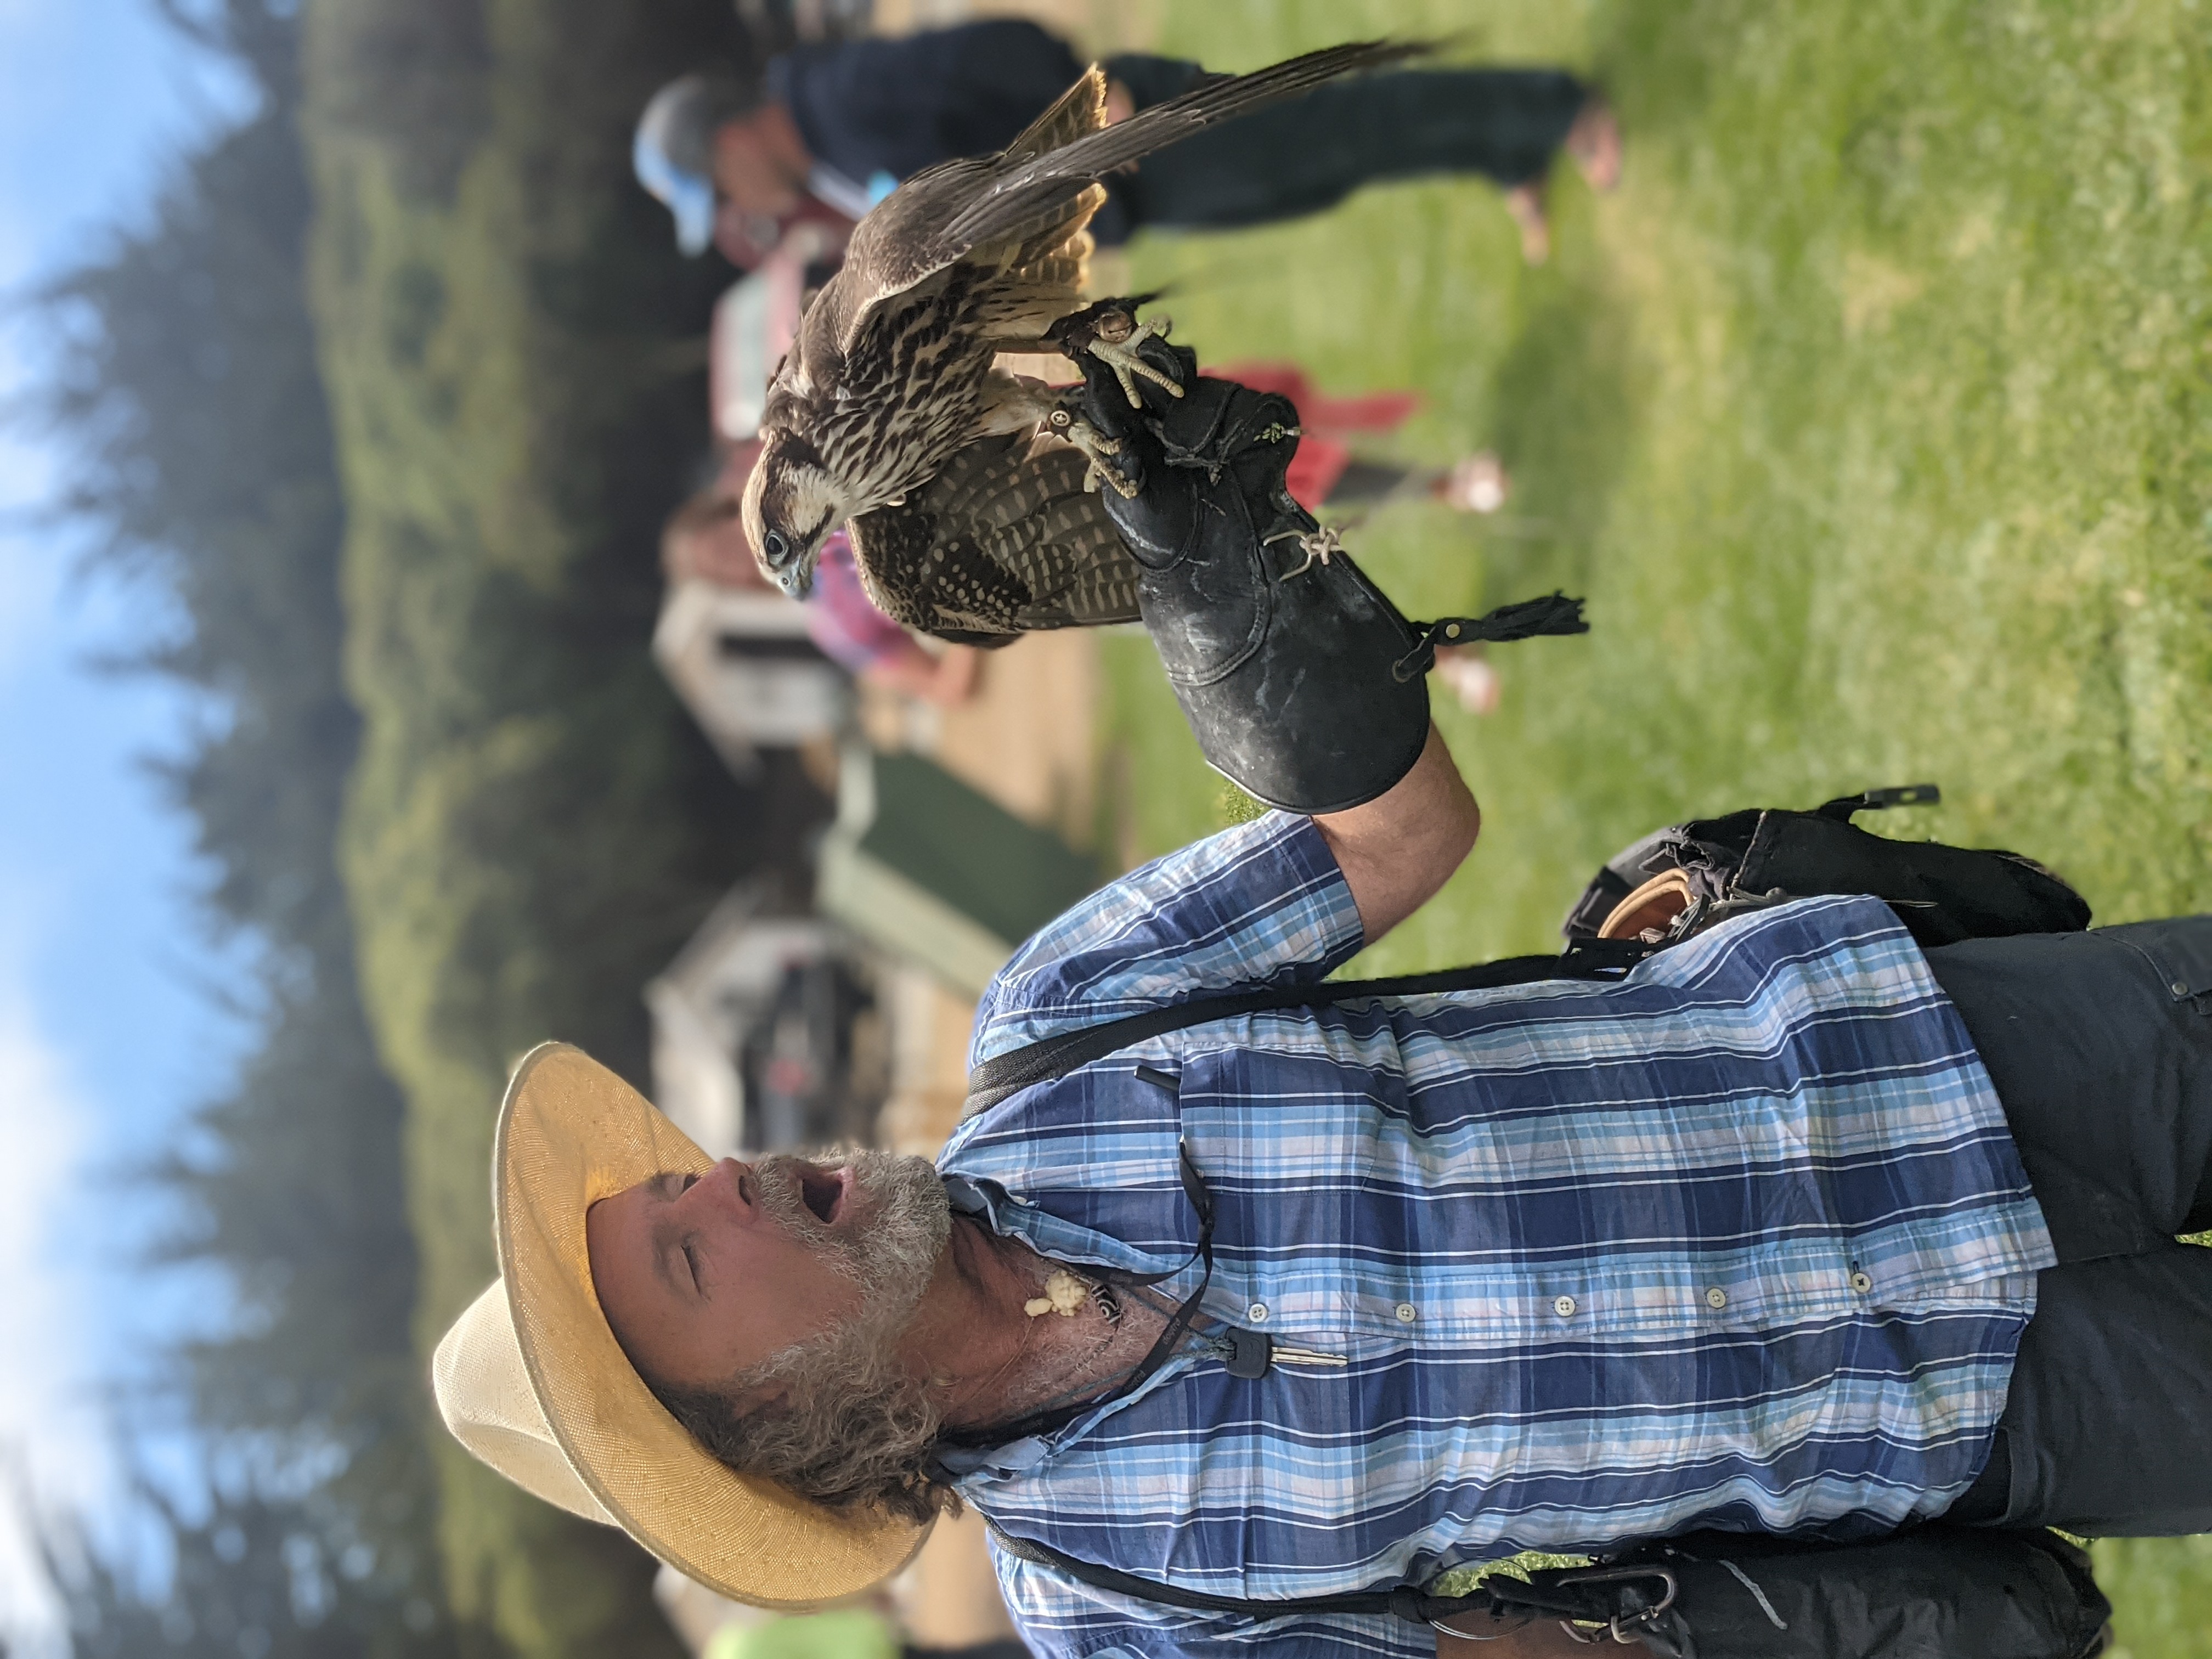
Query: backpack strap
pixel 1056 1056
pixel 1613 1594
pixel 1406 1601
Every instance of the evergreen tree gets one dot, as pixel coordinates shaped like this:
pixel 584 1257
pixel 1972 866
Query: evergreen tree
pixel 188 397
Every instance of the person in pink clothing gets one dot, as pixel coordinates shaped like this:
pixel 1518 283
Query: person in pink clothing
pixel 1326 469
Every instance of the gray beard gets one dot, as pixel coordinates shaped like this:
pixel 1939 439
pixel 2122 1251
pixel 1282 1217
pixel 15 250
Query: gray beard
pixel 891 1255
pixel 854 1425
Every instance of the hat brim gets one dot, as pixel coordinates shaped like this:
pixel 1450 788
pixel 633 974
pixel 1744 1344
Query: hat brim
pixel 694 209
pixel 570 1133
pixel 688 195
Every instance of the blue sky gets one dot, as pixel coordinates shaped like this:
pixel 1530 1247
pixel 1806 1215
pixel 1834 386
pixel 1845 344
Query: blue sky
pixel 106 1030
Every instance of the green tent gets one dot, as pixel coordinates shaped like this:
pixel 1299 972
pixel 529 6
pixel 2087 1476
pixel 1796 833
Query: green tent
pixel 924 867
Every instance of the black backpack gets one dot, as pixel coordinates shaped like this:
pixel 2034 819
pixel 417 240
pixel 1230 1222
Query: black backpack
pixel 1687 876
pixel 1935 1592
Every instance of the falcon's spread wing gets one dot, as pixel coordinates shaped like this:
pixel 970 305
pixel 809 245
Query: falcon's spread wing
pixel 891 371
pixel 897 247
pixel 1015 208
pixel 1001 541
pixel 1019 189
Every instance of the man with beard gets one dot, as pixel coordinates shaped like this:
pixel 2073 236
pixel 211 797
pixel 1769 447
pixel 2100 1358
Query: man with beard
pixel 1794 1228
pixel 1744 1241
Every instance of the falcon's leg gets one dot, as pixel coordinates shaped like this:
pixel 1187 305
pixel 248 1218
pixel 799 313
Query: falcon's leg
pixel 1013 403
pixel 1097 448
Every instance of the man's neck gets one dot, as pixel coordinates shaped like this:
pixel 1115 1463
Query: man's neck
pixel 993 1361
pixel 969 1324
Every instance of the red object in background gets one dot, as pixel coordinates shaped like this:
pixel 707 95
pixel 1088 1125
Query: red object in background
pixel 1322 422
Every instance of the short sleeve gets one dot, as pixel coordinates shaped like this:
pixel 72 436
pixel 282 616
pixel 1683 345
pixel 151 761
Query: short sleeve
pixel 1262 904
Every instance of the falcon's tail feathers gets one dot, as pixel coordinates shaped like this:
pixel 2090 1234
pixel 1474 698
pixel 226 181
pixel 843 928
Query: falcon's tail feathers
pixel 1032 182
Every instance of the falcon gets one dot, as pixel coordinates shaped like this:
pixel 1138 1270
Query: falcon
pixel 893 372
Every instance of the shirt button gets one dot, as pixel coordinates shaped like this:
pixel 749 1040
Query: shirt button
pixel 1564 1306
pixel 1716 1297
pixel 1257 1313
pixel 1408 1313
pixel 1861 1283
pixel 2180 987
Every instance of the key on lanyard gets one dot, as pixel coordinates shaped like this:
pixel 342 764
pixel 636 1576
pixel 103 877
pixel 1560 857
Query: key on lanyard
pixel 1250 1353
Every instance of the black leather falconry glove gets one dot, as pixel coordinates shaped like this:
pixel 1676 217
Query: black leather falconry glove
pixel 1302 682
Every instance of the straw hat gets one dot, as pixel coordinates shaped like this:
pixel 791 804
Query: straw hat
pixel 531 1380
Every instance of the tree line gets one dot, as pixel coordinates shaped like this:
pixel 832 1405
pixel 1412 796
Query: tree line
pixel 192 395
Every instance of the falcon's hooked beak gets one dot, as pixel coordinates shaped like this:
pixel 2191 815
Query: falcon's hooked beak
pixel 791 504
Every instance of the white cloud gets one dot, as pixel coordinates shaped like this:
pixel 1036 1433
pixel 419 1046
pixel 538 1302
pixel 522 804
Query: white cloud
pixel 51 1426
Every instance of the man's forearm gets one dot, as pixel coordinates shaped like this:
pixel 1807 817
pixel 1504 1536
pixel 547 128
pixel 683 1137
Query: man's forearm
pixel 1399 849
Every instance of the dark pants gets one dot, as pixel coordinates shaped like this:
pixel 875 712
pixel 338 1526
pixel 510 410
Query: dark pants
pixel 2100 1047
pixel 1311 153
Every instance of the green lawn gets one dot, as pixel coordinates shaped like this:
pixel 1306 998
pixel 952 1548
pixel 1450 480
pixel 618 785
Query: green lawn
pixel 1871 414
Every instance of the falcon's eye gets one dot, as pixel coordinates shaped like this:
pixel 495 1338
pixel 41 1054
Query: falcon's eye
pixel 775 547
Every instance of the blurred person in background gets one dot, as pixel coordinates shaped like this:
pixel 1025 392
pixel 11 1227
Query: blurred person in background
pixel 834 127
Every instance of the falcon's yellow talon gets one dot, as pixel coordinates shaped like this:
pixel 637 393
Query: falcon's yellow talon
pixel 1096 446
pixel 1121 356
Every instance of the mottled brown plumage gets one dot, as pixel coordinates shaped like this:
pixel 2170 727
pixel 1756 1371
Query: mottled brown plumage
pixel 1001 541
pixel 892 372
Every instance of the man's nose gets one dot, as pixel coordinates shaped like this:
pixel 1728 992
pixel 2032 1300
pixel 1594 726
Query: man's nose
pixel 721 1193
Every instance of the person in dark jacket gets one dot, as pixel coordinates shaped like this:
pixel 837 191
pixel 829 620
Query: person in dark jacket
pixel 834 127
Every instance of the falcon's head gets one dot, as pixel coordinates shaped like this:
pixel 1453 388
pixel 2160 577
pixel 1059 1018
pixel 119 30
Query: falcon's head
pixel 791 504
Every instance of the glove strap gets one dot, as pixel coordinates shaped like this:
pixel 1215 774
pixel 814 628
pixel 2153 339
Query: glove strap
pixel 1555 613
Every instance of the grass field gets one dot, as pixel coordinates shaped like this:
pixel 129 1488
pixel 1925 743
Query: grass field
pixel 1872 414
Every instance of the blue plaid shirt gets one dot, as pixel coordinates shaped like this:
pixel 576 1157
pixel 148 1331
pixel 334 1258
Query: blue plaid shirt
pixel 1741 1241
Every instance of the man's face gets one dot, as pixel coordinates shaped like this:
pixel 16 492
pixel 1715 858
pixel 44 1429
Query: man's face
pixel 707 1279
pixel 753 172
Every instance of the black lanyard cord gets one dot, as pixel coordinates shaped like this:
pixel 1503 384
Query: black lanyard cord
pixel 1406 1601
pixel 1619 1594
